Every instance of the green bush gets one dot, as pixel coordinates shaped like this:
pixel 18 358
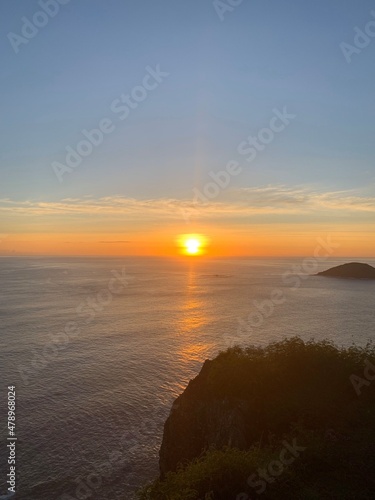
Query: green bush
pixel 214 475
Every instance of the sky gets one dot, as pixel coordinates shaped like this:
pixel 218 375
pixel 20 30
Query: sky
pixel 173 91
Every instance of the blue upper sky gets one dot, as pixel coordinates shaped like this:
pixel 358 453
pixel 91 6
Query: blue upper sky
pixel 225 78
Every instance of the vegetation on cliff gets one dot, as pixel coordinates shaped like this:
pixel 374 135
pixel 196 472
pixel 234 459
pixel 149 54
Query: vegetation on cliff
pixel 291 420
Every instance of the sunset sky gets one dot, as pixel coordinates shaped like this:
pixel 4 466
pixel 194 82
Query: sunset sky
pixel 211 83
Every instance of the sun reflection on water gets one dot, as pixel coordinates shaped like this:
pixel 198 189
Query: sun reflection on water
pixel 193 318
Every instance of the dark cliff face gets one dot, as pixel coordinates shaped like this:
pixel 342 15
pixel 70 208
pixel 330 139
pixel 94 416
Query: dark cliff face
pixel 353 270
pixel 247 397
pixel 200 419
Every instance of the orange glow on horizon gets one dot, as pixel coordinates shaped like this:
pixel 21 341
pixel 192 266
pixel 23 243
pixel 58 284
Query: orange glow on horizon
pixel 254 241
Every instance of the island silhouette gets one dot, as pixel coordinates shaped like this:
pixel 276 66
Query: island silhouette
pixel 352 270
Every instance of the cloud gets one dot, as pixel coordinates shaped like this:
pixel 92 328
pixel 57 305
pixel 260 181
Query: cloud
pixel 304 200
pixel 243 202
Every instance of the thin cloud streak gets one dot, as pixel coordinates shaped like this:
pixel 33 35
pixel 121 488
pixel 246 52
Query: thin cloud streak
pixel 268 200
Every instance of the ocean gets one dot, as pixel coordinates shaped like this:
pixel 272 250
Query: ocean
pixel 99 348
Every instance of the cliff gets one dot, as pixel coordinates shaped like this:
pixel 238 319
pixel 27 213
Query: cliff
pixel 244 396
pixel 353 270
pixel 247 407
pixel 199 418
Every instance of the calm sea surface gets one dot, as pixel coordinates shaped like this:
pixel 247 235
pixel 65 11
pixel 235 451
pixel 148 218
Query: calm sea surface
pixel 91 405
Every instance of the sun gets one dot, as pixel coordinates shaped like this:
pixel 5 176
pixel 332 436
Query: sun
pixel 192 244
